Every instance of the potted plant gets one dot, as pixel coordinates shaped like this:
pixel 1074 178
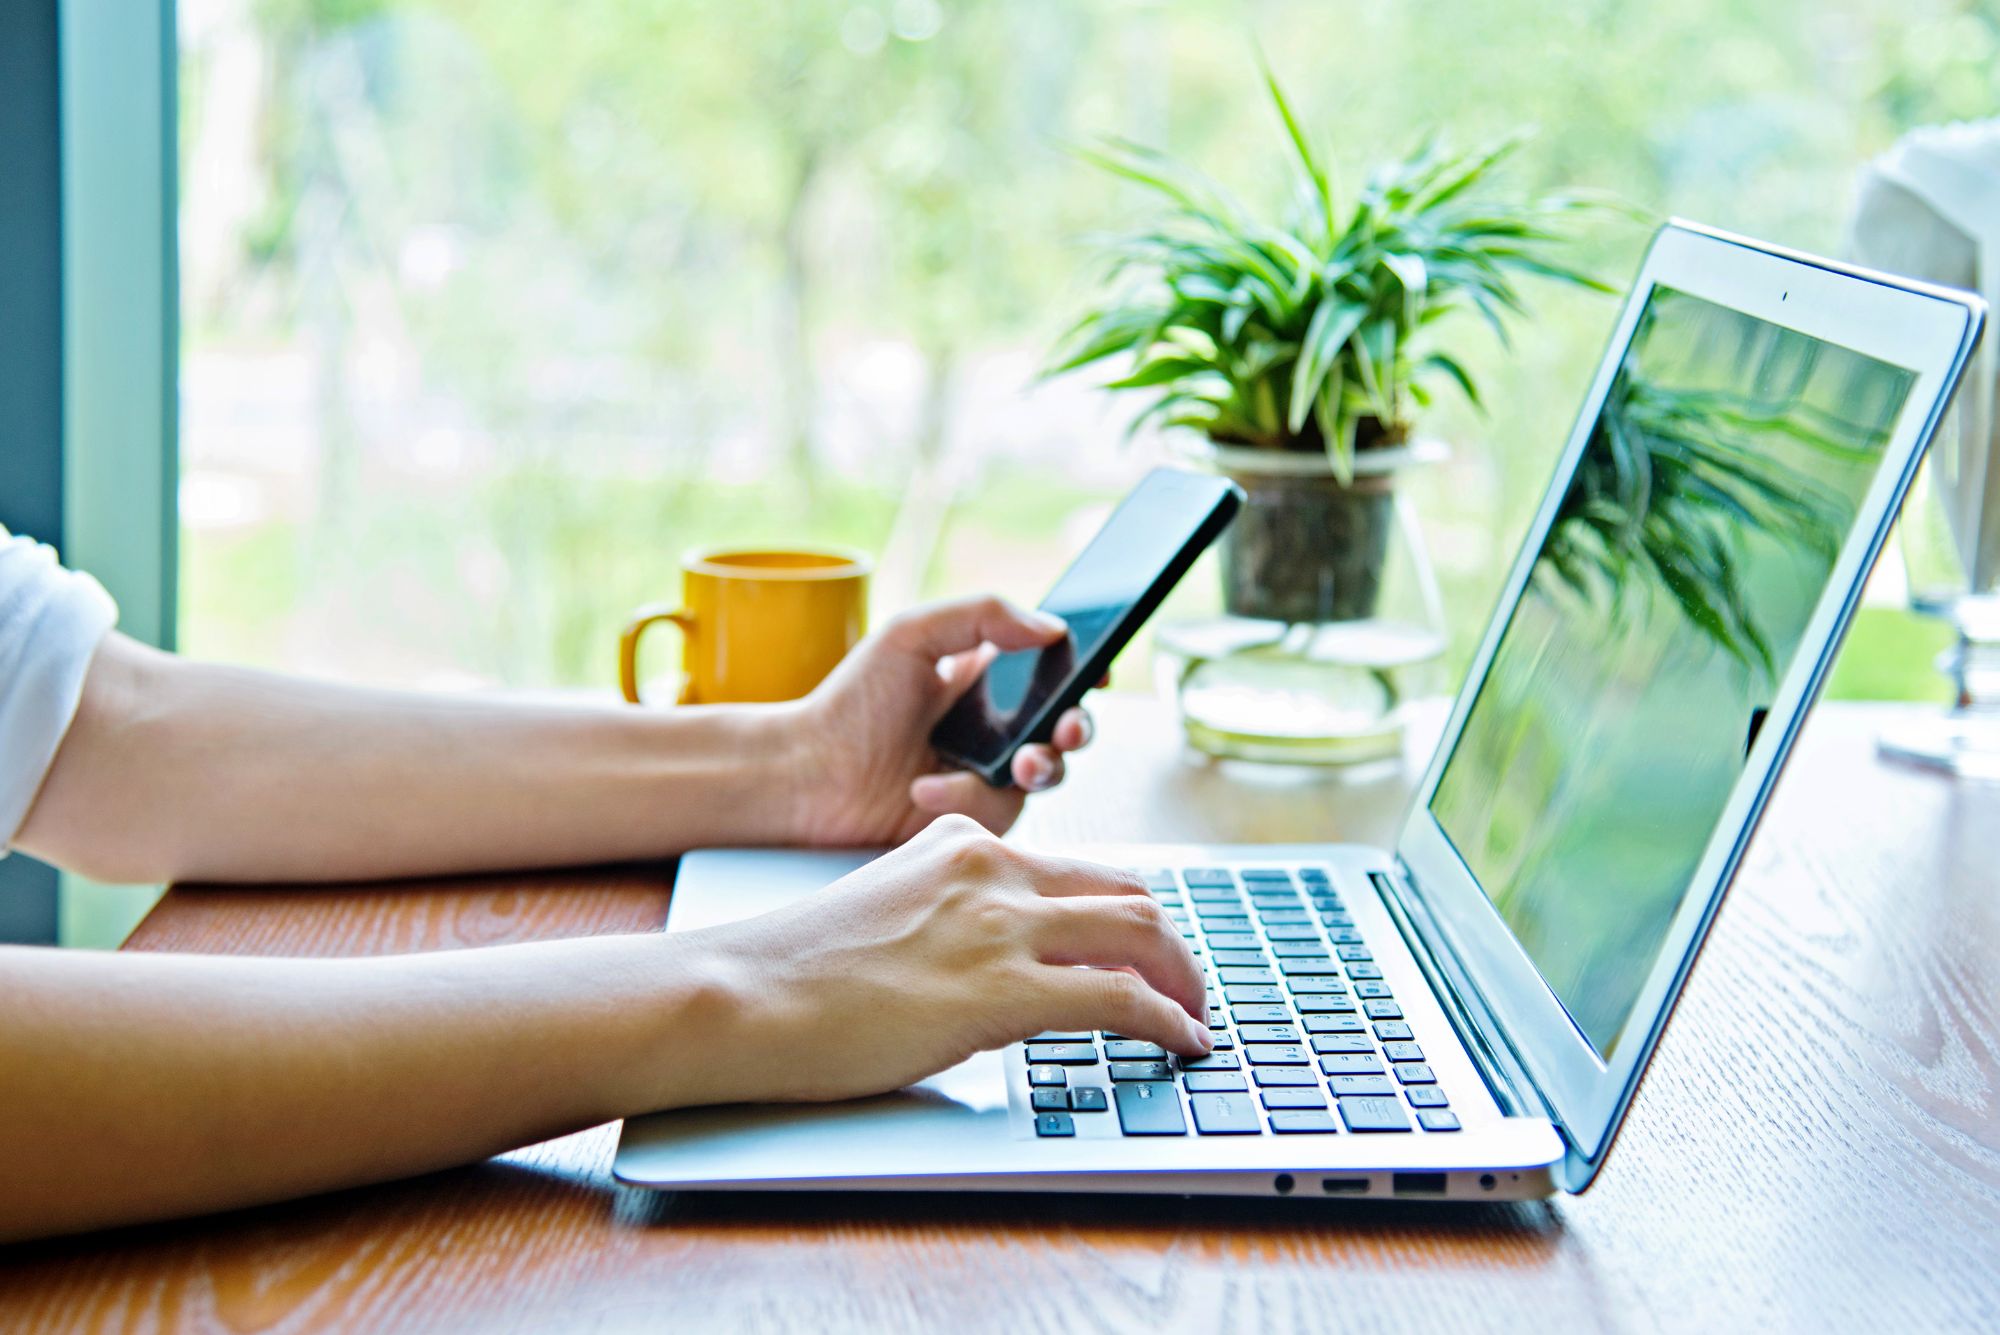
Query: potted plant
pixel 1301 351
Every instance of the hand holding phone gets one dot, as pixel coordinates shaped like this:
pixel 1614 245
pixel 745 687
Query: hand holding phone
pixel 1107 593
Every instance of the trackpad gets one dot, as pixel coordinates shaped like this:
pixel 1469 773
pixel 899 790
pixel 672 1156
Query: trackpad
pixel 930 1126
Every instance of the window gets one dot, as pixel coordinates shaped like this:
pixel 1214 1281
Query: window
pixel 491 309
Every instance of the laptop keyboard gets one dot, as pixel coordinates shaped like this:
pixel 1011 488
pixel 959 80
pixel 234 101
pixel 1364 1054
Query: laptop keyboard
pixel 1309 1038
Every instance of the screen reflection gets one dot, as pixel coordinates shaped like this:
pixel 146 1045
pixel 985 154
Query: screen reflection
pixel 1666 605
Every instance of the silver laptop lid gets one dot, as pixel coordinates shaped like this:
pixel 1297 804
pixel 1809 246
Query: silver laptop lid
pixel 1676 605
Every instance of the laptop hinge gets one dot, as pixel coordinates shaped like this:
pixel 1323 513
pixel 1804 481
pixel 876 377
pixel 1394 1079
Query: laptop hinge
pixel 1512 1087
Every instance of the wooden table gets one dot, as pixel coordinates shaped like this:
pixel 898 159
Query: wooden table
pixel 1818 1145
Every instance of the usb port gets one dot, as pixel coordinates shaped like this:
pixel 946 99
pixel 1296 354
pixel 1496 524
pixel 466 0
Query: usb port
pixel 1419 1184
pixel 1344 1186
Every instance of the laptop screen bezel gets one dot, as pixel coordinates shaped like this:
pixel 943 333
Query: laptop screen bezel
pixel 1927 332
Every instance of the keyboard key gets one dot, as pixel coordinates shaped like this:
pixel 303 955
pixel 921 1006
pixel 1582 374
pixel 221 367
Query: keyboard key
pixel 1047 1075
pixel 1339 926
pixel 1213 1082
pixel 1086 1099
pixel 1132 1050
pixel 1275 917
pixel 1437 1119
pixel 1260 1014
pixel 1350 1063
pixel 1233 941
pixel 1064 1054
pixel 1415 1073
pixel 1213 895
pixel 1325 984
pixel 1253 996
pixel 1144 1070
pixel 1251 959
pixel 1298 950
pixel 1214 1061
pixel 1265 874
pixel 1322 1004
pixel 1277 1054
pixel 1294 1098
pixel 1425 1096
pixel 1268 1033
pixel 1224 1041
pixel 1247 976
pixel 1055 1037
pixel 1373 1114
pixel 1371 1085
pixel 1159 878
pixel 1326 1044
pixel 1298 964
pixel 1048 1100
pixel 1224 1114
pixel 1403 1052
pixel 1285 1077
pixel 1223 916
pixel 1372 988
pixel 1382 1010
pixel 1394 1031
pixel 1313 874
pixel 1149 1108
pixel 1215 1016
pixel 1197 877
pixel 1364 971
pixel 1303 931
pixel 1335 1024
pixel 1353 952
pixel 1054 1124
pixel 1303 1121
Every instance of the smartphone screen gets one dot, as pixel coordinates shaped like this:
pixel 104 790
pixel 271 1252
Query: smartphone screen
pixel 1104 597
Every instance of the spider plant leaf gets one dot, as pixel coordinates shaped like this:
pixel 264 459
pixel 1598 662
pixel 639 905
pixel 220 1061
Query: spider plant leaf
pixel 1199 196
pixel 1096 337
pixel 1235 317
pixel 1161 371
pixel 1333 323
pixel 1316 172
pixel 1450 366
pixel 1456 177
pixel 1336 426
pixel 1374 347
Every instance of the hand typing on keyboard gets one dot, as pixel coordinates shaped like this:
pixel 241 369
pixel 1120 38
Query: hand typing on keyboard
pixel 952 944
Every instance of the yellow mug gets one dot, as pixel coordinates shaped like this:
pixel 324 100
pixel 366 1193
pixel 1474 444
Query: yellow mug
pixel 757 624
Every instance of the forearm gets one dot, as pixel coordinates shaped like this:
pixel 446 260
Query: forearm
pixel 178 770
pixel 142 1087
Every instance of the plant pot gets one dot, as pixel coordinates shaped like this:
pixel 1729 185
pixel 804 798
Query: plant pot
pixel 1307 547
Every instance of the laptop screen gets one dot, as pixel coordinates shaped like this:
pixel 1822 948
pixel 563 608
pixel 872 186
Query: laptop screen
pixel 1669 597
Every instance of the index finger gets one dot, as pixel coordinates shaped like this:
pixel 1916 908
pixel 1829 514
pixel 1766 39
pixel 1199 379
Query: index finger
pixel 966 623
pixel 1123 933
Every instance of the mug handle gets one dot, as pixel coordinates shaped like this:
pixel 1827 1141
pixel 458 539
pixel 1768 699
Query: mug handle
pixel 628 642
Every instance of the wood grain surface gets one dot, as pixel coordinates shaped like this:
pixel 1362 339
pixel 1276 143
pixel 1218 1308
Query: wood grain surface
pixel 1816 1148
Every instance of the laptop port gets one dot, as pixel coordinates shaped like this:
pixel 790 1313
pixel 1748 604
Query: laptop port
pixel 1344 1186
pixel 1419 1184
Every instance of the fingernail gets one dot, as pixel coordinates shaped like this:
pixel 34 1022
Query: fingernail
pixel 1040 772
pixel 926 791
pixel 1048 621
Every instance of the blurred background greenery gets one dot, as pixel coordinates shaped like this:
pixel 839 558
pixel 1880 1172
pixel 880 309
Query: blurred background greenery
pixel 492 308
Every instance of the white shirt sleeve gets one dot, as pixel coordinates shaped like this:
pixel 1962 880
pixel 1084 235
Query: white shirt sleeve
pixel 51 621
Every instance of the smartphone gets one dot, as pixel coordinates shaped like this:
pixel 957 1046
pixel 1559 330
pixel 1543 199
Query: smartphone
pixel 1142 551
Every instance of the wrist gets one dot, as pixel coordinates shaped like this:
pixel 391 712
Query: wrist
pixel 728 774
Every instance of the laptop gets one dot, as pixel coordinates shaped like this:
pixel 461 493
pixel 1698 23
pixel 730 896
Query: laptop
pixel 1467 1015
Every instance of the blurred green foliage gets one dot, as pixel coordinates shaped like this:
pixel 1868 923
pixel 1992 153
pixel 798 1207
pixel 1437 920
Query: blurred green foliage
pixel 674 229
